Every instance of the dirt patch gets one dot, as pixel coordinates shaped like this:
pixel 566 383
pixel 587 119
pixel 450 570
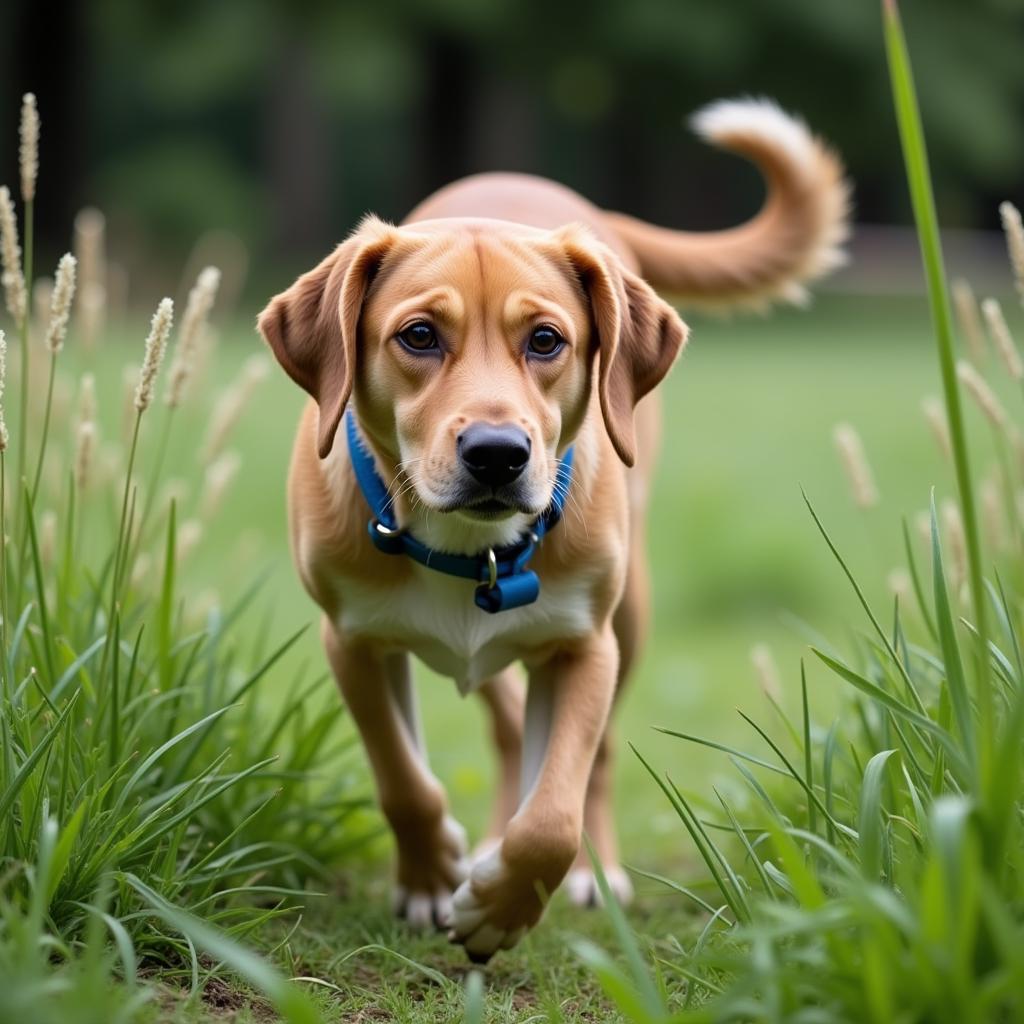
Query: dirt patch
pixel 218 994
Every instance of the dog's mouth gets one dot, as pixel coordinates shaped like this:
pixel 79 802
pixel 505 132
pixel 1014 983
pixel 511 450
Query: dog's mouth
pixel 489 509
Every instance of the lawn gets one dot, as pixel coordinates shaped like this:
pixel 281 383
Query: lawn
pixel 749 414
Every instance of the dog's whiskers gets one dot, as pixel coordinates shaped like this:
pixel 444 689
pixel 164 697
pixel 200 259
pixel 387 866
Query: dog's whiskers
pixel 564 491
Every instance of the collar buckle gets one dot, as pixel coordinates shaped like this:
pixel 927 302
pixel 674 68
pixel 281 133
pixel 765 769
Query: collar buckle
pixel 385 538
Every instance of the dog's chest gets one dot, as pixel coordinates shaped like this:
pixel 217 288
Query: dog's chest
pixel 434 617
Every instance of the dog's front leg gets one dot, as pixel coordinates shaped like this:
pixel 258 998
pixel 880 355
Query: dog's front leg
pixel 431 844
pixel 567 709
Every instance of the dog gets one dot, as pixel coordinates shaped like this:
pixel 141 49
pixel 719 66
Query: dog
pixel 469 479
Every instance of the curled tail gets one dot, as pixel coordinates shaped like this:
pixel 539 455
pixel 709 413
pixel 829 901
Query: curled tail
pixel 795 237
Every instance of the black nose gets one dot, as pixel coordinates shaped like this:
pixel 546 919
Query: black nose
pixel 494 453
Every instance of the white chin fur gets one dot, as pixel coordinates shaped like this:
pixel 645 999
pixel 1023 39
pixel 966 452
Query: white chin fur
pixel 459 534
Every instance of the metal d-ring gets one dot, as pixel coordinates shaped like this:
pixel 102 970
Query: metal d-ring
pixel 492 567
pixel 385 531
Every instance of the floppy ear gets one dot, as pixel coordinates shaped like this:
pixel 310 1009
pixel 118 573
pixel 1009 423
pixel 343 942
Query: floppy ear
pixel 312 327
pixel 639 335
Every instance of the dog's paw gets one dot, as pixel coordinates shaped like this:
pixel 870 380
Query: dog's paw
pixel 583 891
pixel 429 876
pixel 493 908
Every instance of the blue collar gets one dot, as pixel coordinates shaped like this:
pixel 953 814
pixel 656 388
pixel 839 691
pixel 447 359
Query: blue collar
pixel 505 581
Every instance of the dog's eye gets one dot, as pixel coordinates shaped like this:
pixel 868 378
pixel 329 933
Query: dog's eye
pixel 545 342
pixel 418 337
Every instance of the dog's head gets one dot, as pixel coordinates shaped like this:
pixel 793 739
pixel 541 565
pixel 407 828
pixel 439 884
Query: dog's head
pixel 470 347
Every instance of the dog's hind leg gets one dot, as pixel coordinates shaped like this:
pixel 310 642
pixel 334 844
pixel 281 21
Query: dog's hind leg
pixel 431 844
pixel 504 696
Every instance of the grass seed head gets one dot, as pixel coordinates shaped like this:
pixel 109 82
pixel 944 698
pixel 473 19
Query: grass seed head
pixel 966 307
pixel 85 447
pixel 1010 216
pixel 197 310
pixel 767 671
pixel 985 398
pixel 87 405
pixel 28 152
pixel 90 251
pixel 923 525
pixel 1002 340
pixel 190 533
pixel 48 537
pixel 141 571
pixel 856 467
pixel 176 489
pixel 10 257
pixel 956 546
pixel 156 345
pixel 219 475
pixel 992 512
pixel 60 303
pixel 231 405
pixel 935 415
pixel 899 583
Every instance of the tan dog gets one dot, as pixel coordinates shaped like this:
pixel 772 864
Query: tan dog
pixel 506 320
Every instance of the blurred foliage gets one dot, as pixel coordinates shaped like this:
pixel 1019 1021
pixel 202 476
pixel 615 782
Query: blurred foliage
pixel 284 122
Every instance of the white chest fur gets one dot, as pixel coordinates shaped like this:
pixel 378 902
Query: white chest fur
pixel 433 616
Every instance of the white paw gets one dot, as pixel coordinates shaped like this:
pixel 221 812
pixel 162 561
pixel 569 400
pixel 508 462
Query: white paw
pixel 429 878
pixel 482 920
pixel 424 910
pixel 583 890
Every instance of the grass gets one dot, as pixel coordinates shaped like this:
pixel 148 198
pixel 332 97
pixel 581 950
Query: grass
pixel 147 822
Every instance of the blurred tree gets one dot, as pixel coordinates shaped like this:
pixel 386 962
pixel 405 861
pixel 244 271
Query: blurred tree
pixel 285 122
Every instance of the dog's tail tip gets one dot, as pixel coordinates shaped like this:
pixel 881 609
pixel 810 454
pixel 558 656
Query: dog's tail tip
pixel 806 172
pixel 732 122
pixel 795 239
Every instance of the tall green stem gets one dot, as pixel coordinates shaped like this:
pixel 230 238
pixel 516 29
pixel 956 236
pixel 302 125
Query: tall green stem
pixel 915 156
pixel 46 428
pixel 25 391
pixel 154 477
pixel 115 573
pixel 4 611
pixel 121 538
